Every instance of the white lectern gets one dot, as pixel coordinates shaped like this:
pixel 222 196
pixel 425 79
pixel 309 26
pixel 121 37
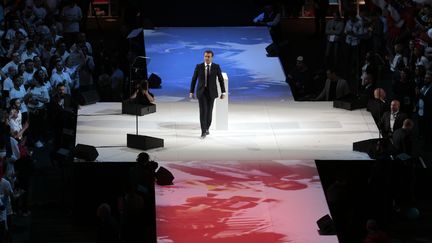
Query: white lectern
pixel 220 111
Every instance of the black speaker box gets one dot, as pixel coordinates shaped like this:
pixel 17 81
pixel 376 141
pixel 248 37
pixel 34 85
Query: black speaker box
pixel 88 97
pixel 85 152
pixel 164 177
pixel 272 50
pixel 154 81
pixel 143 142
pixel 137 109
pixel 350 103
pixel 326 225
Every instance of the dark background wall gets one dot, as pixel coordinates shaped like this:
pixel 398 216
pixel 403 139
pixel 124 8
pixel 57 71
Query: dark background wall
pixel 198 13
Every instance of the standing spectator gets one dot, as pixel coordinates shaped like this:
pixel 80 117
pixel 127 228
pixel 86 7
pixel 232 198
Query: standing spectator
pixel 334 31
pixel 398 61
pixel 334 88
pixel 71 16
pixel 425 109
pixel 404 91
pixel 13 63
pixel 420 59
pixel 11 33
pixel 117 81
pixel 402 138
pixel 59 75
pixel 378 105
pixel 353 31
pixel 29 72
pixel 37 99
pixel 7 191
pixel 8 83
pixel 29 52
pixel 392 120
pixel 19 92
pixel 270 18
pixel 320 8
pixel 61 51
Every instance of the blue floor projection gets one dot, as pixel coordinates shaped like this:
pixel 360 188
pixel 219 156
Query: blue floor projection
pixel 240 51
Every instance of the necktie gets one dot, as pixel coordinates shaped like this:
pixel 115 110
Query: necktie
pixel 207 74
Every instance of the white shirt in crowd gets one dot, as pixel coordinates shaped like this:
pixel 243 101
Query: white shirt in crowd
pixel 397 59
pixel 353 31
pixel 57 78
pixel 72 16
pixel 422 61
pixel 40 94
pixel 8 84
pixel 5 185
pixel 15 124
pixel 10 34
pixel 25 55
pixel 19 94
pixel 5 68
pixel 28 77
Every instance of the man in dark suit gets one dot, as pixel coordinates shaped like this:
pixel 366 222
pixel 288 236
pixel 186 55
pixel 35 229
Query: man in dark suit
pixel 424 110
pixel 392 120
pixel 402 138
pixel 206 92
pixel 378 105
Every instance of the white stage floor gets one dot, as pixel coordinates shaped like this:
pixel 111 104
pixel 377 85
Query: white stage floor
pixel 257 131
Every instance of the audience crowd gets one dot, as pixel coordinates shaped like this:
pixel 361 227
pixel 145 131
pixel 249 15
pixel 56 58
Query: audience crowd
pixel 381 58
pixel 46 62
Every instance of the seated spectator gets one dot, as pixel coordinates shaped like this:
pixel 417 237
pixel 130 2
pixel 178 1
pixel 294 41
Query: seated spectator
pixel 300 79
pixel 392 120
pixel 374 234
pixel 403 139
pixel 378 105
pixel 334 88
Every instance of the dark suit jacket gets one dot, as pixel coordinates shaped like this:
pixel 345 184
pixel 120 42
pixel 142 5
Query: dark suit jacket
pixel 199 74
pixel 377 108
pixel 385 122
pixel 402 141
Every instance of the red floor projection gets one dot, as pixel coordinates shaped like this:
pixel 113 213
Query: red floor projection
pixel 239 201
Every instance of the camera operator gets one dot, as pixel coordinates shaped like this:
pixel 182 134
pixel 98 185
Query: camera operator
pixel 142 94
